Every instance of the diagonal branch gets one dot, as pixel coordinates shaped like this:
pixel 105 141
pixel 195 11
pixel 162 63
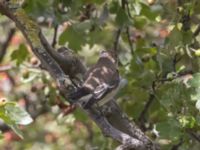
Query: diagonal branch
pixel 108 130
pixel 31 32
pixel 54 42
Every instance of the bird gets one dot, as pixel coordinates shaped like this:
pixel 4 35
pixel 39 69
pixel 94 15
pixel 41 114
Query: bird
pixel 100 83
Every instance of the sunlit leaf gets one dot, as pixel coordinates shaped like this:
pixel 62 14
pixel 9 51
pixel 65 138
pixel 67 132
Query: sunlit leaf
pixel 18 114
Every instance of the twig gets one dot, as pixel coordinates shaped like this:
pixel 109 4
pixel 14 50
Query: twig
pixel 194 135
pixel 149 102
pixel 128 10
pixel 6 44
pixel 129 40
pixel 124 2
pixel 119 30
pixel 185 16
pixel 176 146
pixel 116 42
pixel 12 80
pixel 5 68
pixel 142 115
pixel 186 21
pixel 176 59
pixel 54 42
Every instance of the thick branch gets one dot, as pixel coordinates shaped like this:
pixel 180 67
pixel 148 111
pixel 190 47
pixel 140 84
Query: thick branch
pixel 120 121
pixel 108 130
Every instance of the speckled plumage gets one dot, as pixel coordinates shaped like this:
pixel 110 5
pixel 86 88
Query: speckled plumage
pixel 99 81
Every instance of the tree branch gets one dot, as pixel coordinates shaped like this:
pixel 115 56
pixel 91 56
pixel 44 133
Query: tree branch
pixel 194 135
pixel 116 42
pixel 142 118
pixel 129 41
pixel 5 68
pixel 108 130
pixel 178 145
pixel 55 36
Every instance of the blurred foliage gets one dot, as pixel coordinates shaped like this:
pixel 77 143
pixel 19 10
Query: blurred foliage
pixel 159 56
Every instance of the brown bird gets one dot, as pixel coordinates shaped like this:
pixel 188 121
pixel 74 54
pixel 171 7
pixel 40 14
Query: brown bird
pixel 101 82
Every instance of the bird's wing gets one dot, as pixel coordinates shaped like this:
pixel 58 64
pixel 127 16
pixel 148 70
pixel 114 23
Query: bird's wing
pixel 100 93
pixel 100 90
pixel 79 94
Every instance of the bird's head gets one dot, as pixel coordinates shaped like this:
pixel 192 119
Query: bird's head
pixel 109 55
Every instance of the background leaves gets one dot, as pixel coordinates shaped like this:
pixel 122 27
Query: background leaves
pixel 159 56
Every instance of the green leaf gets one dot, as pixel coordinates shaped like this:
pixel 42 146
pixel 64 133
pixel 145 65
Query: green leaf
pixel 18 114
pixel 103 37
pixel 187 37
pixel 195 81
pixel 1 135
pixel 137 7
pixel 114 6
pixel 83 26
pixel 14 115
pixel 122 17
pixel 173 95
pixel 4 117
pixel 147 12
pixel 140 22
pixel 169 129
pixel 175 38
pixel 74 38
pixel 20 55
pixel 194 84
pixel 187 121
pixel 179 38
